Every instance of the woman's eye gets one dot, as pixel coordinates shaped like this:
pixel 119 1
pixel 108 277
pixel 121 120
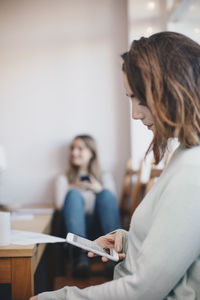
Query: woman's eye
pixel 130 96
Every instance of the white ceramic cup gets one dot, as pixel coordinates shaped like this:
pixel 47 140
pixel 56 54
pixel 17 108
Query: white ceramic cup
pixel 5 228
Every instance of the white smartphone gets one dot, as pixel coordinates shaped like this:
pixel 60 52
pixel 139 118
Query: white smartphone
pixel 92 246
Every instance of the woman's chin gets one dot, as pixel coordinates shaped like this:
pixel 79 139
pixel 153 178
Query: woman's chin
pixel 76 163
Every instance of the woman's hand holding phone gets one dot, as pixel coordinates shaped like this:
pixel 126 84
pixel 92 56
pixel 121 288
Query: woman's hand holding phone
pixel 112 240
pixel 92 184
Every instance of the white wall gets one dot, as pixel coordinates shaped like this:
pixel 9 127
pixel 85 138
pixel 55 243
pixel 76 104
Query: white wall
pixel 60 75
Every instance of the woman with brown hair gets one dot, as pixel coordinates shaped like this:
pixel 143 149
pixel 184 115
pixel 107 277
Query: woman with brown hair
pixel 161 252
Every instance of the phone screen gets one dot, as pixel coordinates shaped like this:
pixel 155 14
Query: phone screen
pixel 85 178
pixel 91 244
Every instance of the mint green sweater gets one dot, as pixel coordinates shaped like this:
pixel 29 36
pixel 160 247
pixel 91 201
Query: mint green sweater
pixel 163 243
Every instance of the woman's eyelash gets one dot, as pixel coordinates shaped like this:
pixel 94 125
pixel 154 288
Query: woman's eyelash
pixel 130 96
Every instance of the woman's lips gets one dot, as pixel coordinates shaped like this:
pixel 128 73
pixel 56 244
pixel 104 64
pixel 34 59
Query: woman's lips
pixel 149 126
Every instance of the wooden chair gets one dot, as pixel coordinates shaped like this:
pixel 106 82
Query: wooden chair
pixel 131 193
pixel 156 172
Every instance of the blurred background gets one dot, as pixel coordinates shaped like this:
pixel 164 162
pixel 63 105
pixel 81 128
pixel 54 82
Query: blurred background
pixel 60 75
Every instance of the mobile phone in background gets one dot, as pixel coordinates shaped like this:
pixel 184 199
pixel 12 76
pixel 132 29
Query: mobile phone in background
pixel 85 178
pixel 92 246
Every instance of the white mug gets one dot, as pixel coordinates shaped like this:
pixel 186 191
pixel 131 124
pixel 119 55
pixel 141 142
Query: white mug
pixel 5 228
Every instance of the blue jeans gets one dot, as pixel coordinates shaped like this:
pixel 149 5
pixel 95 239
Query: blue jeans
pixel 105 217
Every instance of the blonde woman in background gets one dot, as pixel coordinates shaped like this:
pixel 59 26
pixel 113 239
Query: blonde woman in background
pixel 89 206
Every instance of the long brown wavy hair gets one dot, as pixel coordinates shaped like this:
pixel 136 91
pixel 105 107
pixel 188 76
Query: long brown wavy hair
pixel 93 167
pixel 163 72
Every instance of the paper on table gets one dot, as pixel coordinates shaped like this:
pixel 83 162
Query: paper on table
pixel 21 216
pixel 37 211
pixel 20 237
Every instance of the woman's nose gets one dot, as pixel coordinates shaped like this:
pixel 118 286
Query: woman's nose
pixel 74 151
pixel 136 115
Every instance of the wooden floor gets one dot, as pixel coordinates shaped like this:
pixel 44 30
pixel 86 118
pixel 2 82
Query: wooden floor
pixel 97 277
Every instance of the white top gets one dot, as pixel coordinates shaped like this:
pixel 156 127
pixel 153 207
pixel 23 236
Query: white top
pixel 62 187
pixel 163 243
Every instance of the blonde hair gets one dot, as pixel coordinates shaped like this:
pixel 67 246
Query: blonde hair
pixel 93 167
pixel 163 72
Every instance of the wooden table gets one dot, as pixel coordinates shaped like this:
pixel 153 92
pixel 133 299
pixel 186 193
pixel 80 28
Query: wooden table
pixel 19 263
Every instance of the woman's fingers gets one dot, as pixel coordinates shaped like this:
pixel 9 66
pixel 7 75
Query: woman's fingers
pixel 113 240
pixel 122 256
pixel 104 259
pixel 91 254
pixel 118 241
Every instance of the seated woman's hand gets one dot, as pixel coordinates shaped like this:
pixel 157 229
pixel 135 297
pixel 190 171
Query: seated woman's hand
pixel 112 240
pixel 93 185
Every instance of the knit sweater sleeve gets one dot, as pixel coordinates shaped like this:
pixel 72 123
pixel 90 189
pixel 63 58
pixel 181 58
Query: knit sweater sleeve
pixel 170 247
